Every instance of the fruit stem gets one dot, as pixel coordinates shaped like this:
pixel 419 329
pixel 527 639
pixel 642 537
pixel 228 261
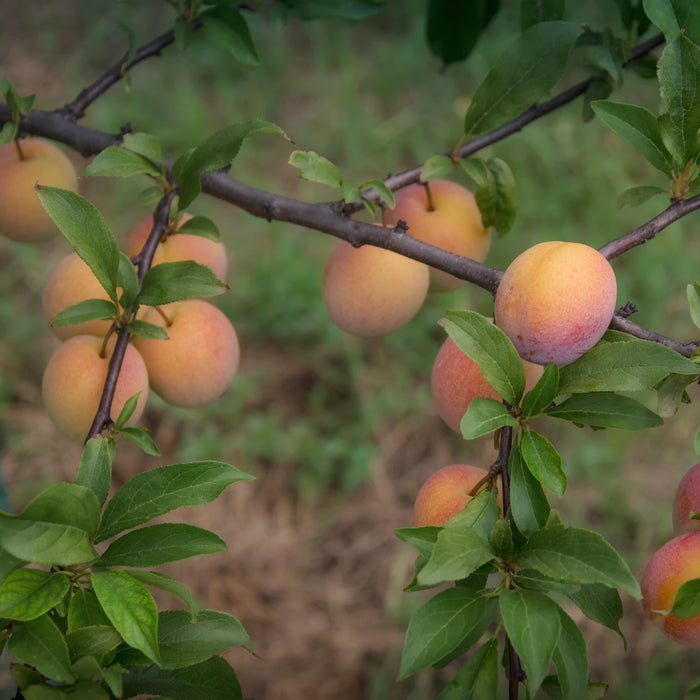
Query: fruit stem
pixel 20 153
pixel 108 335
pixel 431 204
pixel 164 316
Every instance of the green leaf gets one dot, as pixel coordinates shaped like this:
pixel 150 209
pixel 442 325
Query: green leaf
pixel 213 679
pixel 174 281
pixel 164 582
pixel 693 291
pixel 623 365
pixel 316 168
pixel 325 9
pixel 453 28
pixel 130 608
pixel 148 331
pixel 480 514
pixel 635 196
pixel 578 555
pixel 8 564
pixel 484 416
pixel 116 161
pixel 422 539
pixel 95 469
pixel 571 660
pixel 128 280
pixel 497 196
pixel 679 76
pixel 160 544
pixel 142 438
pixel 17 104
pixel 476 169
pixel 638 126
pixel 536 581
pixel 200 226
pixel 491 349
pixel 65 504
pixel 145 144
pixel 96 640
pixel 524 73
pixel 216 152
pixel 672 16
pixel 86 230
pixel 686 603
pixel 184 643
pixel 39 643
pixel 606 410
pixel 543 393
pixel 598 89
pixel 533 625
pixel 45 542
pixel 28 593
pixel 528 503
pixel 24 676
pixel 83 689
pixel 437 168
pixel 8 133
pixel 478 678
pixel 692 692
pixel 87 310
pixel 534 11
pixel 441 624
pixel 85 610
pixel 227 27
pixel 383 191
pixel 543 461
pixel 458 552
pixel 501 539
pixel 601 604
pixel 164 489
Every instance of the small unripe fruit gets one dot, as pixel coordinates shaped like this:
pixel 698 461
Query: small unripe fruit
pixel 445 493
pixel 555 301
pixel 370 291
pixel 446 215
pixel 686 501
pixel 456 380
pixel 670 567
pixel 177 247
pixel 22 216
pixel 70 282
pixel 74 379
pixel 198 361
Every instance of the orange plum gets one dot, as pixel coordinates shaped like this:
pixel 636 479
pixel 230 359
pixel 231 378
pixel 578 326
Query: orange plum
pixel 555 301
pixel 686 501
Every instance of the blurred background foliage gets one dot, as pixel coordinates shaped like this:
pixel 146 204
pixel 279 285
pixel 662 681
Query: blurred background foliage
pixel 336 427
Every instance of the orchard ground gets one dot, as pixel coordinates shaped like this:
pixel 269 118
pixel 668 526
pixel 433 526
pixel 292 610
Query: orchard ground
pixel 341 438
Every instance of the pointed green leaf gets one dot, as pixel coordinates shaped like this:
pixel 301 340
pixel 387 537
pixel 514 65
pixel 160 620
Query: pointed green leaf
pixel 159 544
pixel 497 196
pixel 216 152
pixel 524 73
pixel 116 161
pixel 484 416
pixel 95 470
pixel 148 331
pixel 478 678
pixel 128 280
pixel 679 77
pixel 674 16
pixel 227 27
pixel 164 582
pixel 88 310
pixel 606 410
pixel 184 643
pixel 85 610
pixel 39 643
pixel 491 349
pixel 383 191
pixel 458 552
pixel 437 167
pixel 441 624
pixel 686 603
pixel 480 514
pixel 17 104
pixel 693 291
pixel 543 461
pixel 145 144
pixel 130 608
pixel 571 660
pixel 528 503
pixel 141 437
pixel 213 679
pixel 316 168
pixel 543 393
pixel 533 625
pixel 635 196
pixel 638 126
pixel 86 230
pixel 501 539
pixel 601 604
pixel 8 564
pixel 173 281
pixel 29 593
pixel 164 489
pixel 422 539
pixel 127 411
pixel 96 640
pixel 65 504
pixel 200 226
pixel 575 554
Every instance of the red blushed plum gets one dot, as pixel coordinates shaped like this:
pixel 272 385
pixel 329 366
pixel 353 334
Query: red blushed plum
pixel 369 291
pixel 687 501
pixel 671 566
pixel 555 301
pixel 446 493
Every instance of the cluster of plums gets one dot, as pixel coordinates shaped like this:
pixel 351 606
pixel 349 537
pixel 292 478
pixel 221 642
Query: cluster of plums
pixel 194 366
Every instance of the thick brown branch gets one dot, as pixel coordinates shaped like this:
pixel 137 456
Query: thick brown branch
pixel 620 323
